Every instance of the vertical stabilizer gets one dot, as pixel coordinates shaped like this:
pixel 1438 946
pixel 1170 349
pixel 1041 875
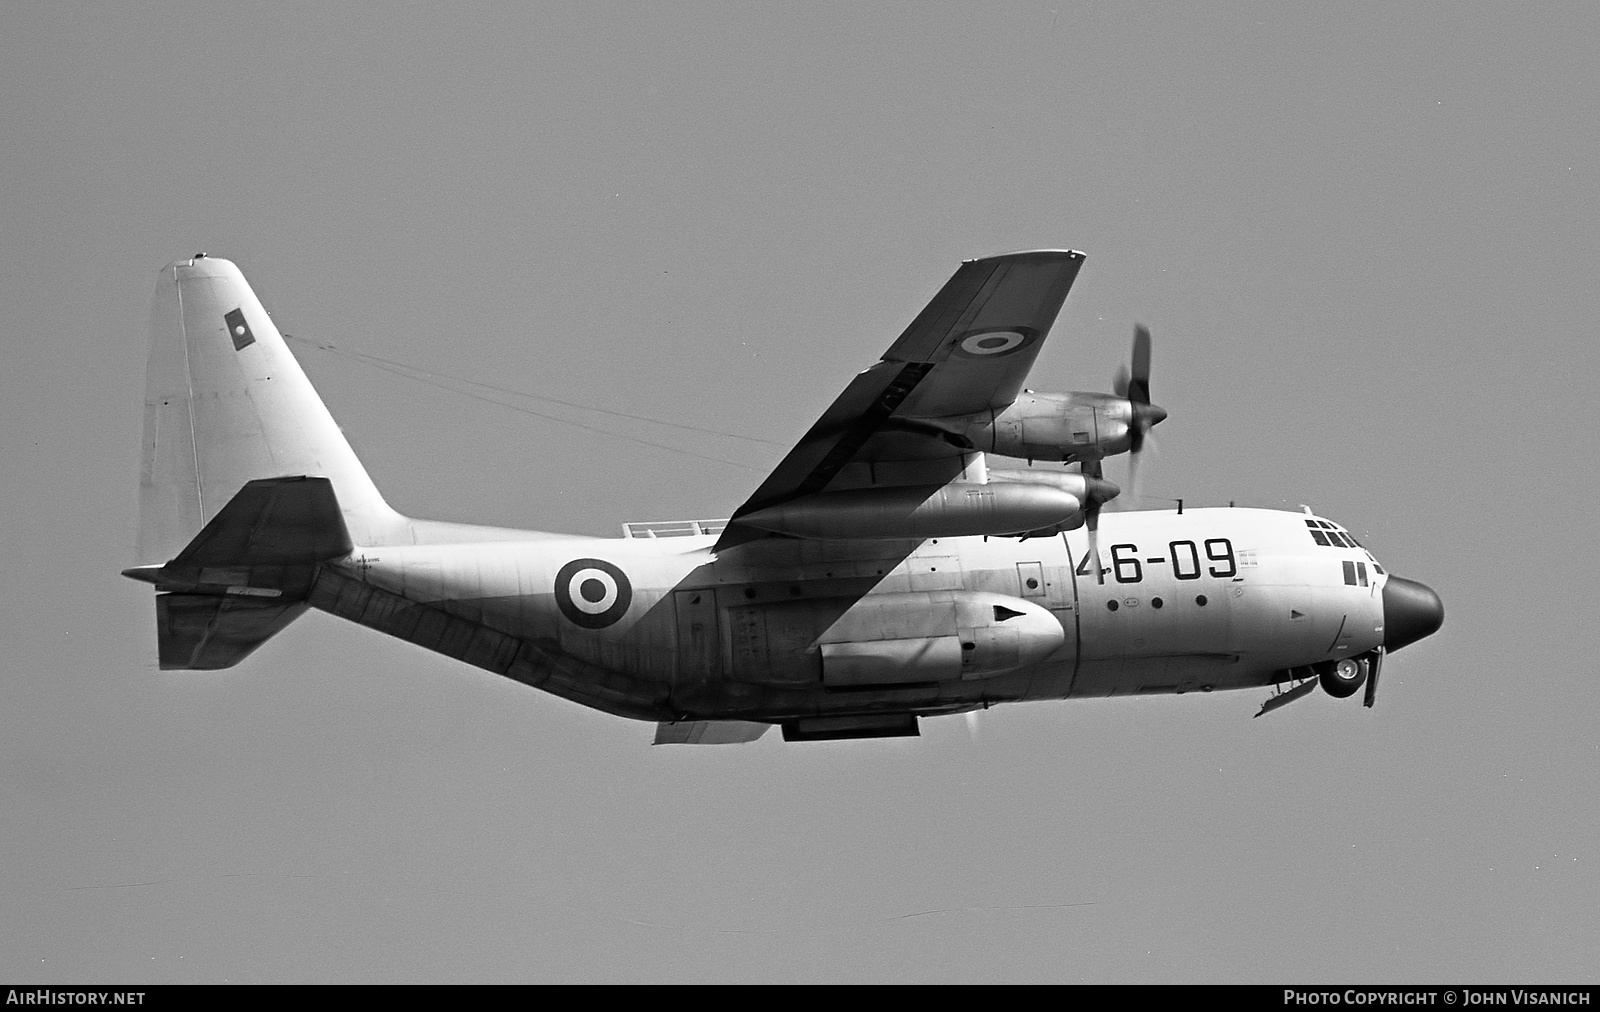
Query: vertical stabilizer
pixel 225 403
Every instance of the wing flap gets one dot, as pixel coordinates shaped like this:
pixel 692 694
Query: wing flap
pixel 834 440
pixel 966 291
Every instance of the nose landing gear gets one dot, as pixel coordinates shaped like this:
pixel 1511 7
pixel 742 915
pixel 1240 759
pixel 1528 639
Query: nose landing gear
pixel 1342 678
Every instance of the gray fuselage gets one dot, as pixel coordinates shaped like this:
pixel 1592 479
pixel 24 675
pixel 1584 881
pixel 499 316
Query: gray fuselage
pixel 782 628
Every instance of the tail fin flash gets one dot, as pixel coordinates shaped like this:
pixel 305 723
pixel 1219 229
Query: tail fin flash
pixel 225 403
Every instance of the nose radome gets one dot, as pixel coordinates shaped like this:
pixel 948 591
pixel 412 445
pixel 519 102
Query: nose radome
pixel 1411 611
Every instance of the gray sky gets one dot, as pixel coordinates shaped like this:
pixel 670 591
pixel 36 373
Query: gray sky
pixel 1365 237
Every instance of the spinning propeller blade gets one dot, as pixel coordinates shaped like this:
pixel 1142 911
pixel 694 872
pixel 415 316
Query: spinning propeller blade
pixel 1133 382
pixel 1091 517
pixel 1139 385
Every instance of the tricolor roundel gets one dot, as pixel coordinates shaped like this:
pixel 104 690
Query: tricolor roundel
pixel 989 343
pixel 592 593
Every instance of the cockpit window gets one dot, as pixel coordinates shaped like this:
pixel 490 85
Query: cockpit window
pixel 1330 535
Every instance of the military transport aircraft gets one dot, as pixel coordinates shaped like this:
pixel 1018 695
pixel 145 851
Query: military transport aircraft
pixel 886 570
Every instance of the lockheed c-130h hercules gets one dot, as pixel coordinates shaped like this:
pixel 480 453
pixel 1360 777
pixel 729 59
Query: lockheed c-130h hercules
pixel 889 569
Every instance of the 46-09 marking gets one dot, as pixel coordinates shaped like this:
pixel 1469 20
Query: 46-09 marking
pixel 1183 555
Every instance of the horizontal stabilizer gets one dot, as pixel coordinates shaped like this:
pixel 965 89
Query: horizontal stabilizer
pixel 709 732
pixel 272 522
pixel 208 631
pixel 246 575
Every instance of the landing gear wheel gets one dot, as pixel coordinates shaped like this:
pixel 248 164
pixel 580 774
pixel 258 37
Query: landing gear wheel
pixel 1342 678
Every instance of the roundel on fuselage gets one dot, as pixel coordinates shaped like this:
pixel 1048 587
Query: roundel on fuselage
pixel 592 593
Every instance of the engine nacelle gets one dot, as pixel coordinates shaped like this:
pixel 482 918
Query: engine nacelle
pixel 935 636
pixel 1079 486
pixel 1064 427
pixel 1087 490
pixel 958 509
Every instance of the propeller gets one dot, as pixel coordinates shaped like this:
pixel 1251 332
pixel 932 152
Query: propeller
pixel 1134 384
pixel 1373 668
pixel 1135 499
pixel 1091 516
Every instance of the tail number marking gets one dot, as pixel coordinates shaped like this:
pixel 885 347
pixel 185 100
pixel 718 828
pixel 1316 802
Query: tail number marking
pixel 1184 556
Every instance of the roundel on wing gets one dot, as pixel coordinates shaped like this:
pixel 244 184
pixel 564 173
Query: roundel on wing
pixel 592 593
pixel 986 343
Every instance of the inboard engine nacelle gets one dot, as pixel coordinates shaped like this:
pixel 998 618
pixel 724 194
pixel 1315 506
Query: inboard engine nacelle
pixel 959 509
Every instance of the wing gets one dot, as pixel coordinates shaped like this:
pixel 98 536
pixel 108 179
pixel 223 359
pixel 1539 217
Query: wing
pixel 967 352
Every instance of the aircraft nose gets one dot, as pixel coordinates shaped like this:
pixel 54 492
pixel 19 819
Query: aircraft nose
pixel 1411 611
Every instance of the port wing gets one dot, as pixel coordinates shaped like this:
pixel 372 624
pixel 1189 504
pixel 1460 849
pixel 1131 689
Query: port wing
pixel 968 352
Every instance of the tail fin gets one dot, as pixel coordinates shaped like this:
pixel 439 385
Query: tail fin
pixel 225 403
